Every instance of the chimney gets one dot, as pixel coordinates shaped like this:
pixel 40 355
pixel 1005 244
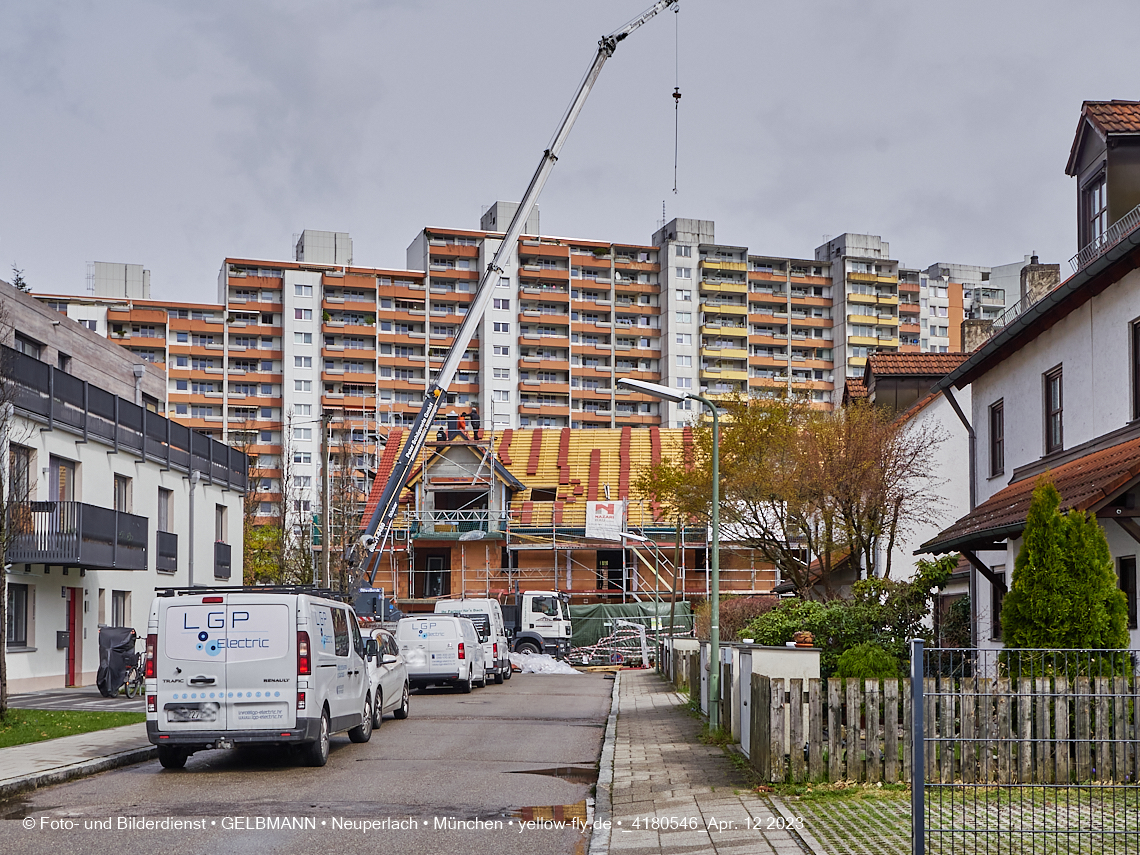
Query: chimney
pixel 975 332
pixel 1037 280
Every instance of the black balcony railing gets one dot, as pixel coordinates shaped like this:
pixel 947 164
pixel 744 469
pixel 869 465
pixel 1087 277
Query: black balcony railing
pixel 76 534
pixel 221 561
pixel 64 402
pixel 167 559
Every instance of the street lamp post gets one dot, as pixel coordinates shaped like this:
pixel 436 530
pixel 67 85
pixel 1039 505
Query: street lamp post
pixel 667 394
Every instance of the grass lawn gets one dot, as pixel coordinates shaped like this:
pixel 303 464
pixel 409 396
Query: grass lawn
pixel 22 726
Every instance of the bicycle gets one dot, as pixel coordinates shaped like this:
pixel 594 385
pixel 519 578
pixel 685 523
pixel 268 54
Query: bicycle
pixel 133 682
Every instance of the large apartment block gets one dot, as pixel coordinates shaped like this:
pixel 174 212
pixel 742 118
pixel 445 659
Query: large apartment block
pixel 290 346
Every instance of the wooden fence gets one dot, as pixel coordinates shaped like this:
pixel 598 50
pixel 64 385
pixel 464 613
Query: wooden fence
pixel 980 731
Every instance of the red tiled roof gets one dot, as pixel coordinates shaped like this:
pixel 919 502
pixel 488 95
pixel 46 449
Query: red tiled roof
pixel 387 461
pixel 1114 117
pixel 923 364
pixel 1082 483
pixel 1107 117
pixel 854 389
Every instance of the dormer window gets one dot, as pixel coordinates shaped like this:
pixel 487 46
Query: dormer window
pixel 1094 201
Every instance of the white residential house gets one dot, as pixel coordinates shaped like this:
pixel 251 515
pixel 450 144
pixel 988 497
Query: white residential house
pixel 1057 388
pixel 107 498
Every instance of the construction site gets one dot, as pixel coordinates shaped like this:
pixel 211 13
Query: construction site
pixel 485 513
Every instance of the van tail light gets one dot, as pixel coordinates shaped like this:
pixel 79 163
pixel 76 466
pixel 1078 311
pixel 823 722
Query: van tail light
pixel 300 700
pixel 152 703
pixel 151 656
pixel 495 650
pixel 462 652
pixel 304 660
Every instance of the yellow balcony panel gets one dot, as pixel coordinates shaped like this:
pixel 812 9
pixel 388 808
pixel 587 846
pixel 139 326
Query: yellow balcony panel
pixel 863 340
pixel 723 374
pixel 724 352
pixel 868 299
pixel 862 319
pixel 732 332
pixel 888 342
pixel 888 299
pixel 882 321
pixel 724 265
pixel 862 277
pixel 857 361
pixel 725 308
pixel 887 280
pixel 725 287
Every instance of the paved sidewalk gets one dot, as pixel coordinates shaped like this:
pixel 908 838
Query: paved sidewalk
pixel 671 794
pixel 52 761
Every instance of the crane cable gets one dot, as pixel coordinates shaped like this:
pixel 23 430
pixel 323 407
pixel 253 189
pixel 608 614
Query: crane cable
pixel 676 91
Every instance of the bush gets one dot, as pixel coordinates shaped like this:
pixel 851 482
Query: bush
pixel 867 661
pixel 883 611
pixel 736 613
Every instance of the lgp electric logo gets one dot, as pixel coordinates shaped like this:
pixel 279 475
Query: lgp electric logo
pixel 204 643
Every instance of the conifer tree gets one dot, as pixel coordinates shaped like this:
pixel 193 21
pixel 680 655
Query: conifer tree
pixel 1064 592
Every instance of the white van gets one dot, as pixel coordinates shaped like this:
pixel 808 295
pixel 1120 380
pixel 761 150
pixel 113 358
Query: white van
pixel 442 649
pixel 487 615
pixel 234 666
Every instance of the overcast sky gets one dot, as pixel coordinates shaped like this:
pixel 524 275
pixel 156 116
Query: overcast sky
pixel 175 134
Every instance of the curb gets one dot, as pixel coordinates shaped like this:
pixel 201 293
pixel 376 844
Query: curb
pixel 61 774
pixel 603 799
pixel 803 834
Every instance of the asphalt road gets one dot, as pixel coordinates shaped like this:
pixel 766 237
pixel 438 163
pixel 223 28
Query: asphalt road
pixel 525 751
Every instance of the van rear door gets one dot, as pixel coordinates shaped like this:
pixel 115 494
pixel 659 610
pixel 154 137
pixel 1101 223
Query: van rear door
pixel 261 662
pixel 191 673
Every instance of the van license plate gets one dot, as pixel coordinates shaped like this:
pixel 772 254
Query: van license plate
pixel 192 712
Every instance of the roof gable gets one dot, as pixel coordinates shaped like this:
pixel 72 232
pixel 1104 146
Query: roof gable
pixel 1104 118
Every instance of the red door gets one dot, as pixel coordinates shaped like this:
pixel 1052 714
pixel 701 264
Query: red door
pixel 73 630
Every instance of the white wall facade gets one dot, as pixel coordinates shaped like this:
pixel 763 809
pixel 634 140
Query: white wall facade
pixel 1092 347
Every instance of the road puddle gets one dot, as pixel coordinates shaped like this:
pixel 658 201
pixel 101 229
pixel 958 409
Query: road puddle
pixel 572 774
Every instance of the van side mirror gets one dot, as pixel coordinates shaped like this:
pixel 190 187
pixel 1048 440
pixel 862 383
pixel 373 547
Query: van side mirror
pixel 389 659
pixel 371 648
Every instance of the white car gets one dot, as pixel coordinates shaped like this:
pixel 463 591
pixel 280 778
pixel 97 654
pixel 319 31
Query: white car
pixel 387 676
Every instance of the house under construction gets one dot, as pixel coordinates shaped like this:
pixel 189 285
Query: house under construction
pixel 547 509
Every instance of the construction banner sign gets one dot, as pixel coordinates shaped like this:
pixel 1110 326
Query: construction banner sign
pixel 605 520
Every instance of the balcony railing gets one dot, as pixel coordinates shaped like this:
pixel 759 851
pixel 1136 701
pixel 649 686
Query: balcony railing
pixel 454 523
pixel 221 561
pixel 166 561
pixel 76 534
pixel 1111 237
pixel 64 402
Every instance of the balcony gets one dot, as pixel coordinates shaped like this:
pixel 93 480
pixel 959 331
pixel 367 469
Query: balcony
pixel 446 525
pixel 221 561
pixel 76 534
pixel 167 559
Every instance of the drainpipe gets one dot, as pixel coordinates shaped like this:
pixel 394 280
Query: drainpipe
pixel 973 439
pixel 195 477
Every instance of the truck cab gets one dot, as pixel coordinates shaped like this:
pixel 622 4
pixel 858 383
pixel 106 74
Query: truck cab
pixel 539 622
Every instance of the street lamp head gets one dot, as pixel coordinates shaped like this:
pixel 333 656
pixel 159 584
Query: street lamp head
pixel 655 389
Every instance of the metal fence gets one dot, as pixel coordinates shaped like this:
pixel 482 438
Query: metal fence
pixel 1025 750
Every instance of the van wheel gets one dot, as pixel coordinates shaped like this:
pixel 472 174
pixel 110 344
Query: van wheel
pixel 465 686
pixel 171 757
pixel 499 678
pixel 405 704
pixel 363 731
pixel 377 710
pixel 507 670
pixel 482 684
pixel 317 751
pixel 529 648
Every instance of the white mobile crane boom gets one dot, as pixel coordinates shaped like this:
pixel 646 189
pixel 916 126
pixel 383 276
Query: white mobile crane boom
pixel 376 530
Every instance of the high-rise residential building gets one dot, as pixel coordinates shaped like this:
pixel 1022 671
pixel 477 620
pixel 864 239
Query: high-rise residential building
pixel 291 347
